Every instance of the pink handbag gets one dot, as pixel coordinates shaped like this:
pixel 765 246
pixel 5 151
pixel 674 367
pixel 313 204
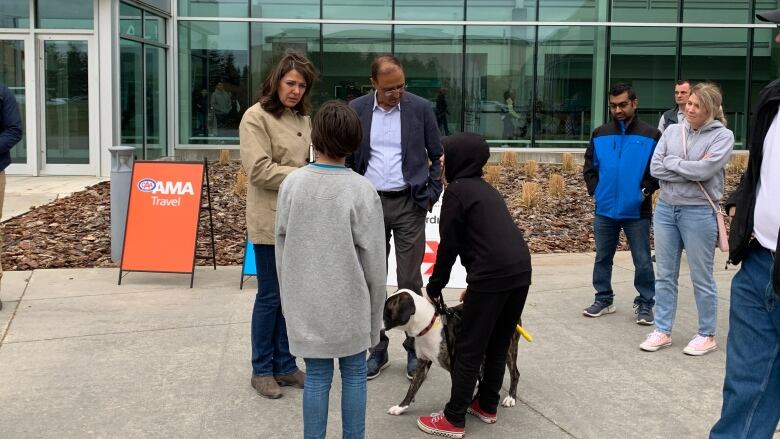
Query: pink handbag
pixel 722 241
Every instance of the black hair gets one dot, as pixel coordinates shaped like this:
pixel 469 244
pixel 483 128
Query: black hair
pixel 622 87
pixel 336 131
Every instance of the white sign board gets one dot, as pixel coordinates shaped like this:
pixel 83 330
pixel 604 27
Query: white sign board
pixel 458 276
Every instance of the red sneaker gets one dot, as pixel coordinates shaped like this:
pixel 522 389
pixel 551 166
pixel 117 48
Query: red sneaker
pixel 476 410
pixel 437 424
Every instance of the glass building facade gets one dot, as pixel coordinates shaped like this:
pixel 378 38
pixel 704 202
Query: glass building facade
pixel 523 73
pixel 173 77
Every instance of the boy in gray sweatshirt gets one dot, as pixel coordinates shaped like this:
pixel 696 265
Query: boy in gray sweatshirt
pixel 330 258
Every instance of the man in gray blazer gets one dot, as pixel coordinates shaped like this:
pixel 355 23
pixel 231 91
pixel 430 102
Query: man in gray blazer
pixel 400 155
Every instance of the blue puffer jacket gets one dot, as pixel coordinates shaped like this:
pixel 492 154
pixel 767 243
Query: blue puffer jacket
pixel 617 169
pixel 10 125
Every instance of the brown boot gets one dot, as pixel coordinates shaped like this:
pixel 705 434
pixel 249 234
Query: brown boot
pixel 294 379
pixel 266 386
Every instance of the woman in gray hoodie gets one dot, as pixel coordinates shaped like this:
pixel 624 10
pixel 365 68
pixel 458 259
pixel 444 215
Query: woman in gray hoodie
pixel 689 163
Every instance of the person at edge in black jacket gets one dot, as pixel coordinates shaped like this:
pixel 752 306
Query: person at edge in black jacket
pixel 475 224
pixel 751 387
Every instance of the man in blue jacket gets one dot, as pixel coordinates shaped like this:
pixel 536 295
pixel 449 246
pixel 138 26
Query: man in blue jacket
pixel 10 135
pixel 617 173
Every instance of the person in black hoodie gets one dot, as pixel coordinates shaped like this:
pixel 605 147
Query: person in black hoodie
pixel 751 387
pixel 475 224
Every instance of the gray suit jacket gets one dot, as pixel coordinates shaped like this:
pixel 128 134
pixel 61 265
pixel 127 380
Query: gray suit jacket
pixel 420 144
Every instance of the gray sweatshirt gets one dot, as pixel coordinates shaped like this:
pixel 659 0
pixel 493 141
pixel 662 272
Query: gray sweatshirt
pixel 330 258
pixel 678 174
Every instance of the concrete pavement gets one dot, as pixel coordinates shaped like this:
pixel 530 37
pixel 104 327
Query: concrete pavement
pixel 22 192
pixel 83 357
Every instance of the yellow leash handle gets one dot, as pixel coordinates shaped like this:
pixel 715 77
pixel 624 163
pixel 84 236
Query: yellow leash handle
pixel 524 334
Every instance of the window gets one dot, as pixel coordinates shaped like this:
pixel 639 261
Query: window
pixel 58 14
pixel 214 8
pixel 647 11
pixel 646 60
pixel 357 9
pixel 15 13
pixel 286 9
pixel 433 64
pixel 438 10
pixel 348 51
pixel 499 83
pixel 727 49
pixel 492 10
pixel 566 79
pixel 271 40
pixel 143 82
pixel 213 81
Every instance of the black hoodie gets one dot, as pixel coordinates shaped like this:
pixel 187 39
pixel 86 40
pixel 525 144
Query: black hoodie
pixel 475 224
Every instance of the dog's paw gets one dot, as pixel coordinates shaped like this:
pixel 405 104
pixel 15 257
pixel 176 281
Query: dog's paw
pixel 397 410
pixel 508 402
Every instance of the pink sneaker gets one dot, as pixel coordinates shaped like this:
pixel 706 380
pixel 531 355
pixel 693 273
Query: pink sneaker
pixel 656 340
pixel 701 345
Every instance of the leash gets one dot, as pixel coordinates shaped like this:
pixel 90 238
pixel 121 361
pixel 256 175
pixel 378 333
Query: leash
pixel 445 314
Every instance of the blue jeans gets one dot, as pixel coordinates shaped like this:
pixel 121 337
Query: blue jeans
pixel 751 388
pixel 270 349
pixel 694 229
pixel 606 232
pixel 316 391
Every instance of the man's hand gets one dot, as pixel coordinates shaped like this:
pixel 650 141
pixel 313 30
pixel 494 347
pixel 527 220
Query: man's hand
pixel 462 295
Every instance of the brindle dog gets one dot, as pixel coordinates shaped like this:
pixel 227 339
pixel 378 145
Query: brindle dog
pixel 407 311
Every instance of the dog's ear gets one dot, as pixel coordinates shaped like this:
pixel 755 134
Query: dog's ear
pixel 398 310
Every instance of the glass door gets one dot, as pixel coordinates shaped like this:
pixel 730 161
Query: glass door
pixel 69 119
pixel 14 59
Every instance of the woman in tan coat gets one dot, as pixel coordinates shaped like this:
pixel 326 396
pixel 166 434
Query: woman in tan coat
pixel 275 134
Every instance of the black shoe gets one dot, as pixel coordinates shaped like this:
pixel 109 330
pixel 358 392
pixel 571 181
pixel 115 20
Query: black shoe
pixel 644 314
pixel 376 362
pixel 411 364
pixel 598 309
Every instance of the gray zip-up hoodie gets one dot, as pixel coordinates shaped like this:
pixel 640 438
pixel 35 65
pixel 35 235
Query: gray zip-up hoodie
pixel 678 174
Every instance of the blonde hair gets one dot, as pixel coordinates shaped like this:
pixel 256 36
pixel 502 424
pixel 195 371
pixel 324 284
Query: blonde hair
pixel 711 100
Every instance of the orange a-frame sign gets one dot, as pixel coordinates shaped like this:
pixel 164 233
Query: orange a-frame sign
pixel 162 217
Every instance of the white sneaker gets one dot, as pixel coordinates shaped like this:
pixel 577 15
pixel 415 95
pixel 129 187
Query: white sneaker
pixel 655 341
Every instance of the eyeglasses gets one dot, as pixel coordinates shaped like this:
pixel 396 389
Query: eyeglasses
pixel 622 105
pixel 392 90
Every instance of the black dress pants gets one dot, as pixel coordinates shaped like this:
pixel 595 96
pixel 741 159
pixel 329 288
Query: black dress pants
pixel 405 225
pixel 488 321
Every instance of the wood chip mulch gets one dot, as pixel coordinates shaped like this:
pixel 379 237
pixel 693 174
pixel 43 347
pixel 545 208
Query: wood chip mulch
pixel 74 231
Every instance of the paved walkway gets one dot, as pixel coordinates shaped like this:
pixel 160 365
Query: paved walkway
pixel 23 192
pixel 83 357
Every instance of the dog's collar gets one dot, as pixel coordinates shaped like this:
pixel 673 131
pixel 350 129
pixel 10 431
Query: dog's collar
pixel 430 325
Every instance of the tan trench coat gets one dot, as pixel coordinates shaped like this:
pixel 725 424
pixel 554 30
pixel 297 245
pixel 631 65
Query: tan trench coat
pixel 271 149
